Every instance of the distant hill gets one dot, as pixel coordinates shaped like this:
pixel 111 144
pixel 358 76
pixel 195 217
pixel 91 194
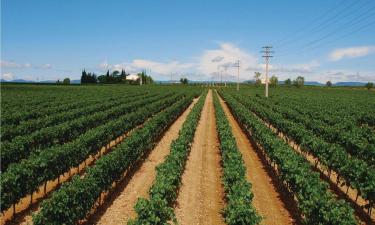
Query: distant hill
pixel 40 82
pixel 313 83
pixel 75 81
pixel 54 81
pixel 356 84
pixel 47 81
pixel 17 81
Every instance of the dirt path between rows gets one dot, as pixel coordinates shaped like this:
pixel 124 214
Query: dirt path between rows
pixel 121 208
pixel 201 197
pixel 267 201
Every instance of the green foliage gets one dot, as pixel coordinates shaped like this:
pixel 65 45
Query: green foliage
pixel 274 81
pixel 25 177
pixel 21 147
pixel 369 85
pixel 146 79
pixel 113 78
pixel 299 81
pixel 87 78
pixel 288 82
pixel 257 79
pixel 350 154
pixel 315 202
pixel 66 81
pixel 329 84
pixel 184 81
pixel 74 200
pixel 158 209
pixel 238 209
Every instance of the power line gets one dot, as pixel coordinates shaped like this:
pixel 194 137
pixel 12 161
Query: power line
pixel 354 21
pixel 225 74
pixel 309 25
pixel 327 23
pixel 336 39
pixel 306 26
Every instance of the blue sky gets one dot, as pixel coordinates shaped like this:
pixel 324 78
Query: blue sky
pixel 320 40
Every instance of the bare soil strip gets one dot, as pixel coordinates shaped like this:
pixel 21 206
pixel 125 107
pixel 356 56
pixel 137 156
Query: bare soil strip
pixel 120 209
pixel 268 201
pixel 201 197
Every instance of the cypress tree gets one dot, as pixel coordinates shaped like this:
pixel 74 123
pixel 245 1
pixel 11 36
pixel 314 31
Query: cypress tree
pixel 108 77
pixel 84 77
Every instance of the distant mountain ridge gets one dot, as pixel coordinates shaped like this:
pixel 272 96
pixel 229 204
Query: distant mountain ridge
pixel 350 84
pixel 36 82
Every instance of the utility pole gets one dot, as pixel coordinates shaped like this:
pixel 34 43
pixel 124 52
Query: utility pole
pixel 238 74
pixel 267 54
pixel 225 74
pixel 221 77
pixel 171 78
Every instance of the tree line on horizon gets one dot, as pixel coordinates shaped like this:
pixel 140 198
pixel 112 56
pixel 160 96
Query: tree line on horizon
pixel 274 81
pixel 115 77
pixel 298 82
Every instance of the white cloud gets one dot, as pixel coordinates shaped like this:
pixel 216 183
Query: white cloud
pixel 162 68
pixel 15 65
pixel 7 76
pixel 12 64
pixel 46 66
pixel 210 64
pixel 138 65
pixel 217 59
pixel 297 68
pixel 212 61
pixel 105 65
pixel 345 75
pixel 353 52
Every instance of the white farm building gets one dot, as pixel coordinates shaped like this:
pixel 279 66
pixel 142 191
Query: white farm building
pixel 132 76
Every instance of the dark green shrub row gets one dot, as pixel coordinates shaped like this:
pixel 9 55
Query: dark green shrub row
pixel 76 198
pixel 316 204
pixel 356 172
pixel 90 106
pixel 22 146
pixel 238 194
pixel 25 177
pixel 158 209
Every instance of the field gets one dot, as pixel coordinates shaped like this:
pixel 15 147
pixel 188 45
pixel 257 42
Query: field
pixel 157 154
